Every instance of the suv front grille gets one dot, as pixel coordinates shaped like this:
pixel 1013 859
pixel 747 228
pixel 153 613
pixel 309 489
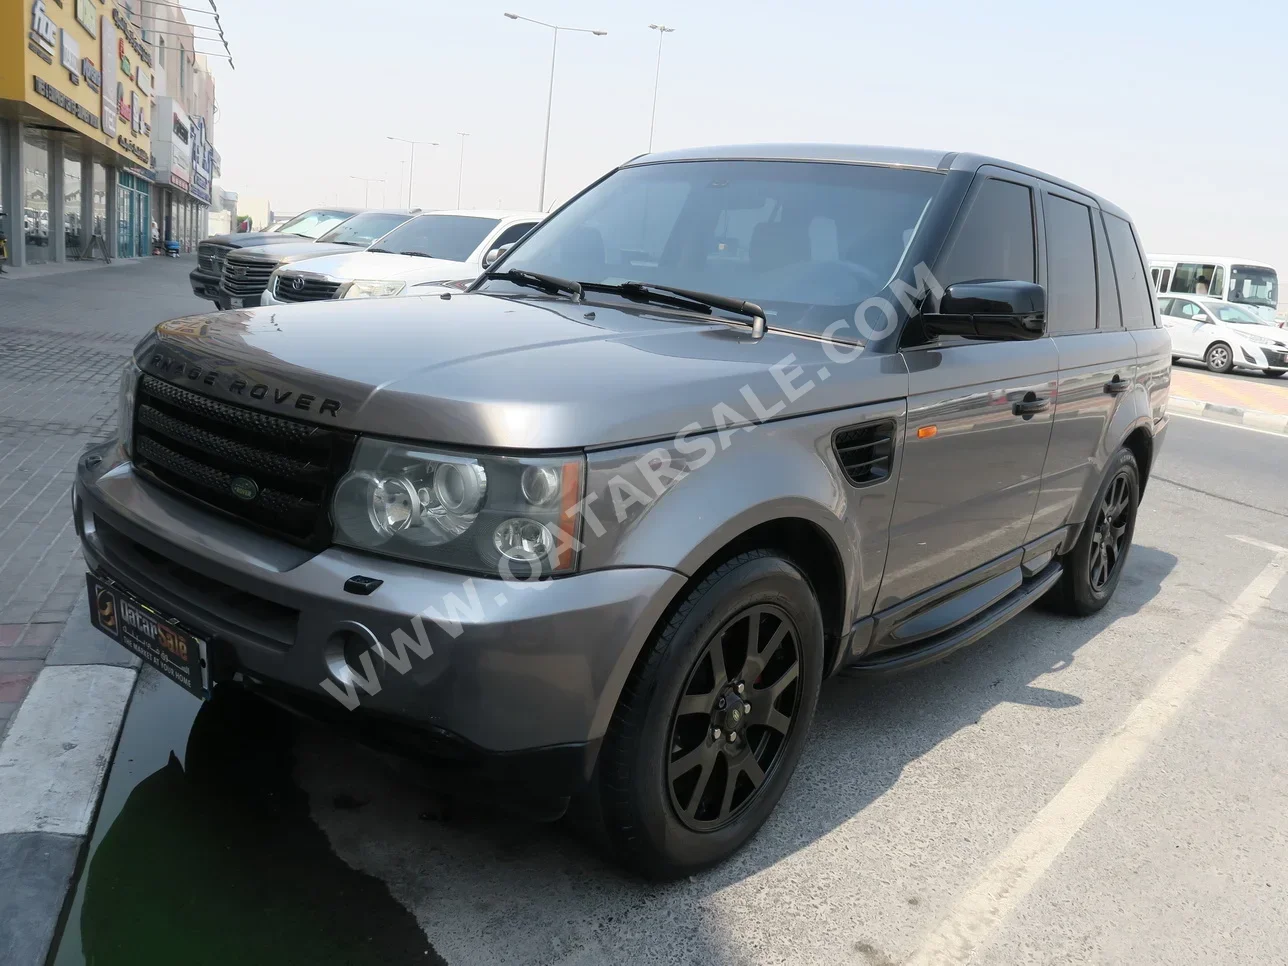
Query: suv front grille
pixel 210 258
pixel 294 287
pixel 866 452
pixel 200 446
pixel 246 276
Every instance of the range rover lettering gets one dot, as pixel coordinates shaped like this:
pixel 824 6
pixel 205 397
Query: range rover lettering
pixel 600 527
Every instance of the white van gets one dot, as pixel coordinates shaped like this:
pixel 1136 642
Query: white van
pixel 1254 285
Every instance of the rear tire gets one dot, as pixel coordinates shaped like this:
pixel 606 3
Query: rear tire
pixel 1095 564
pixel 1219 357
pixel 676 792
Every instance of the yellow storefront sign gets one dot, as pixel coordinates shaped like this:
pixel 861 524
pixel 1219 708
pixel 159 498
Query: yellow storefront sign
pixel 84 65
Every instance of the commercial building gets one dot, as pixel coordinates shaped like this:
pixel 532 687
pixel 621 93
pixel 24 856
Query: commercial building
pixel 76 84
pixel 94 96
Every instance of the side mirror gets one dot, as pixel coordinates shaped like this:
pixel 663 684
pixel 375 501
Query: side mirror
pixel 990 310
pixel 494 256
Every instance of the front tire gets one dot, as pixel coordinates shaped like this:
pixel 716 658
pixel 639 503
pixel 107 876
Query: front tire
pixel 712 721
pixel 1094 566
pixel 1219 357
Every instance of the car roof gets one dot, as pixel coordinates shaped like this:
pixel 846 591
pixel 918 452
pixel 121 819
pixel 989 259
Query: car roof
pixel 885 156
pixel 502 214
pixel 1165 257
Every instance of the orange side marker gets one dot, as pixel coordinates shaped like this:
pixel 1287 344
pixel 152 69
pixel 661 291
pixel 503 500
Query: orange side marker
pixel 925 432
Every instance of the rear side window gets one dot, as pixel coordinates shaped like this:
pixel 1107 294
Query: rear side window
pixel 1165 306
pixel 1071 267
pixel 996 239
pixel 1133 282
pixel 1111 316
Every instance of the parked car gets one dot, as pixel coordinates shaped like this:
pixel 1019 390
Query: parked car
pixel 436 247
pixel 247 270
pixel 211 251
pixel 601 526
pixel 1223 335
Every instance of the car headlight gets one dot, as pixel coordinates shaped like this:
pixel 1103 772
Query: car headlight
pixel 1259 339
pixel 497 515
pixel 368 288
pixel 130 377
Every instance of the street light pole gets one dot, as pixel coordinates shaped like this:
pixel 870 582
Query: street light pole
pixel 460 173
pixel 662 31
pixel 550 97
pixel 366 197
pixel 411 174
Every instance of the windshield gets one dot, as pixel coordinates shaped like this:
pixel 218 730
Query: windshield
pixel 365 228
pixel 806 241
pixel 1255 286
pixel 1232 313
pixel 315 222
pixel 453 237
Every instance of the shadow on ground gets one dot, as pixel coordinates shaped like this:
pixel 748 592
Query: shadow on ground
pixel 228 858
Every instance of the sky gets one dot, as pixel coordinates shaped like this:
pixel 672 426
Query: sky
pixel 1177 111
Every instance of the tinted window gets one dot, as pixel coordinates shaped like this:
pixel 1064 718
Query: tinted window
pixel 1165 306
pixel 1111 316
pixel 1071 267
pixel 809 242
pixel 1195 278
pixel 513 234
pixel 453 237
pixel 365 228
pixel 1133 283
pixel 996 239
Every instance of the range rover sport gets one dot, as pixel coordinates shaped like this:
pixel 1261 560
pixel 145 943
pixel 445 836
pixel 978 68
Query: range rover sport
pixel 728 421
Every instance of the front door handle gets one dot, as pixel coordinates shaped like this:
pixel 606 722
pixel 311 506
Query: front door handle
pixel 1116 386
pixel 1030 405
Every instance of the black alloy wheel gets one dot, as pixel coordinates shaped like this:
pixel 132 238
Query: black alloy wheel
pixel 1110 537
pixel 734 717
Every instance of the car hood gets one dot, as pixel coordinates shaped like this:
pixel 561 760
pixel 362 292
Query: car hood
pixel 1265 331
pixel 518 373
pixel 393 268
pixel 249 239
pixel 293 253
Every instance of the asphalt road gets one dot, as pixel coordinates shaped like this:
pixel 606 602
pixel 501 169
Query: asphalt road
pixel 1107 790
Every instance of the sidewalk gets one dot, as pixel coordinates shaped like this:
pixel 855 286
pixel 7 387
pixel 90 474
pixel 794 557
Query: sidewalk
pixel 63 339
pixel 1248 392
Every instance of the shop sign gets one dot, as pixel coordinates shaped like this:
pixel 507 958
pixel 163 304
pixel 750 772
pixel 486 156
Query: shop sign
pixel 53 94
pixel 87 16
pixel 131 37
pixel 143 80
pixel 133 149
pixel 69 55
pixel 43 38
pixel 122 105
pixel 107 44
pixel 126 69
pixel 136 113
pixel 93 76
pixel 178 182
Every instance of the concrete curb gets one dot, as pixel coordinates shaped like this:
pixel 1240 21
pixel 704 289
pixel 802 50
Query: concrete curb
pixel 53 763
pixel 1270 422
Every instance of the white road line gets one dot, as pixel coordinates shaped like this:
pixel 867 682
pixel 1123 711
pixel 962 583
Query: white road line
pixel 1273 548
pixel 1218 422
pixel 979 911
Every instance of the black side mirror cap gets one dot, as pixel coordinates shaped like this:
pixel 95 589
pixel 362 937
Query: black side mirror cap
pixel 1002 310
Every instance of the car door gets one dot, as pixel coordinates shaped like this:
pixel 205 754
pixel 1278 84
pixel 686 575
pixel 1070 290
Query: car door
pixel 1098 356
pixel 1192 327
pixel 979 412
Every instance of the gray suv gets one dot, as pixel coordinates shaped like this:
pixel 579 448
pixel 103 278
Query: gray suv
pixel 597 528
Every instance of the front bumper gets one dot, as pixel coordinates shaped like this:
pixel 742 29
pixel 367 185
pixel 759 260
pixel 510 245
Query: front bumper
pixel 227 300
pixel 515 668
pixel 205 285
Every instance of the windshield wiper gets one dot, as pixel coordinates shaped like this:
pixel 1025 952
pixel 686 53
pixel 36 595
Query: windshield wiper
pixel 686 298
pixel 539 280
pixel 419 254
pixel 380 251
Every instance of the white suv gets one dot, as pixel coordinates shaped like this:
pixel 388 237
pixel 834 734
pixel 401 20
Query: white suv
pixel 430 249
pixel 1223 335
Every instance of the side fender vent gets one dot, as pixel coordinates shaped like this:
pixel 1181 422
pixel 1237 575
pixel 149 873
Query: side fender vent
pixel 866 453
